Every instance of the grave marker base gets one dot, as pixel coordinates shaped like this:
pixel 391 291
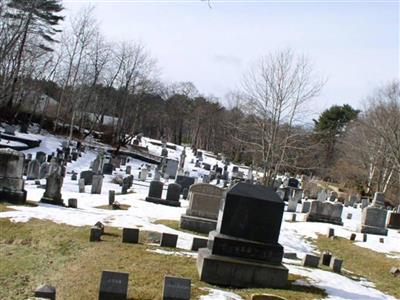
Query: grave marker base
pixel 197 224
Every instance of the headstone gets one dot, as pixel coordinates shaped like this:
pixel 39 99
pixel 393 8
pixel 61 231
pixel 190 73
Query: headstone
pixel 353 237
pixel 295 197
pixel 364 202
pixel 379 200
pixel 395 271
pixel 352 200
pixel 52 195
pixel 365 236
pixel 87 176
pixel 97 184
pixel 81 184
pixel 74 155
pixel 185 181
pixel 393 220
pixel 33 170
pixel 113 285
pixel 291 182
pixel 155 191
pixel 164 152
pixel 73 202
pixel 97 166
pixel 326 212
pixel 310 261
pixel 349 216
pixel 173 194
pixel 143 174
pixel 198 243
pixel 108 168
pixel 40 157
pixel 125 185
pixel 373 220
pixel 11 176
pixel 206 166
pixel 176 288
pixel 336 264
pixel 306 207
pixel 322 196
pixel 332 196
pixel 100 226
pixel 111 197
pixel 244 248
pixel 95 234
pixel 157 175
pixel 9 129
pixel 331 232
pixel 46 292
pixel 130 235
pixel 326 258
pixel 290 255
pixel 168 240
pixel 54 167
pixel 128 170
pixel 293 217
pixel 171 168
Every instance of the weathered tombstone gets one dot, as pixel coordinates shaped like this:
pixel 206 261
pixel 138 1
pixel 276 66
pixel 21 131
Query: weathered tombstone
pixel 336 264
pixel 185 181
pixel 295 197
pixel 326 212
pixel 11 176
pixel 46 291
pixel 73 202
pixel 365 236
pixel 353 237
pixel 40 157
pixel 349 216
pixel 352 200
pixel 111 197
pixel 74 155
pixel 171 168
pixel 81 184
pixel 198 243
pixel 97 184
pixel 54 167
pixel 310 261
pixel 202 213
pixel 245 247
pixel 326 258
pixel 164 152
pixel 332 196
pixel 364 202
pixel 113 285
pixel 322 196
pixel 157 175
pixel 95 234
pixel 379 200
pixel 331 232
pixel 33 170
pixel 74 176
pixel 306 207
pixel 143 174
pixel 373 220
pixel 173 195
pixel 108 168
pixel 291 183
pixel 100 226
pixel 168 240
pixel 128 170
pixel 87 176
pixel 176 288
pixel 130 235
pixel 97 166
pixel 125 185
pixel 393 220
pixel 52 195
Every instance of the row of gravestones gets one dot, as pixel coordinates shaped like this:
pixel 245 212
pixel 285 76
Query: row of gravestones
pixel 114 285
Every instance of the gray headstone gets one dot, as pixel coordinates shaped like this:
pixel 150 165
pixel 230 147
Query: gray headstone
pixel 33 170
pixel 173 192
pixel 95 234
pixel 73 202
pixel 336 264
pixel 87 176
pixel 113 285
pixel 52 194
pixel 81 184
pixel 111 197
pixel 130 235
pixel 199 243
pixel 97 184
pixel 176 288
pixel 326 258
pixel 46 292
pixel 168 240
pixel 379 199
pixel 128 170
pixel 310 261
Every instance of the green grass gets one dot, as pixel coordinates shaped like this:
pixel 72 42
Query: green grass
pixel 363 262
pixel 39 252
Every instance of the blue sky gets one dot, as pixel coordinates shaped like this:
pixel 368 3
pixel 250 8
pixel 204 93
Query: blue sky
pixel 353 44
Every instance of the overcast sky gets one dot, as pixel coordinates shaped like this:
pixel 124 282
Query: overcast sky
pixel 353 44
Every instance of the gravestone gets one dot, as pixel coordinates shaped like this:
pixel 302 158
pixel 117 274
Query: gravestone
pixel 306 207
pixel 326 212
pixel 113 285
pixel 331 232
pixel 244 250
pixel 294 198
pixel 364 202
pixel 33 170
pixel 332 196
pixel 97 184
pixel 310 261
pixel 143 174
pixel 336 264
pixel 52 195
pixel 97 166
pixel 206 166
pixel 322 196
pixel 108 168
pixel 9 129
pixel 74 176
pixel 155 192
pixel 164 152
pixel 185 181
pixel 168 240
pixel 95 234
pixel 349 216
pixel 40 157
pixel 202 213
pixel 206 179
pixel 54 167
pixel 125 185
pixel 46 291
pixel 74 155
pixel 81 184
pixel 128 170
pixel 171 168
pixel 11 176
pixel 130 235
pixel 73 202
pixel 373 220
pixel 353 237
pixel 157 175
pixel 393 220
pixel 173 194
pixel 352 200
pixel 44 170
pixel 379 200
pixel 87 176
pixel 326 258
pixel 176 288
pixel 291 183
pixel 198 243
pixel 111 197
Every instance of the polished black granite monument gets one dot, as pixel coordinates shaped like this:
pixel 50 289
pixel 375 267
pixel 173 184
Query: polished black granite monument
pixel 244 250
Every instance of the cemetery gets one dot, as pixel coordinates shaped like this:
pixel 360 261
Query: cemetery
pixel 199 150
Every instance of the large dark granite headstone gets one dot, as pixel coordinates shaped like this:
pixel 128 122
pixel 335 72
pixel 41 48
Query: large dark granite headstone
pixel 108 168
pixel 244 250
pixel 88 176
pixel 113 285
pixel 184 181
pixel 155 191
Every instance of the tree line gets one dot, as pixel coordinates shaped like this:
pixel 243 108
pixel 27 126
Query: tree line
pixel 264 125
